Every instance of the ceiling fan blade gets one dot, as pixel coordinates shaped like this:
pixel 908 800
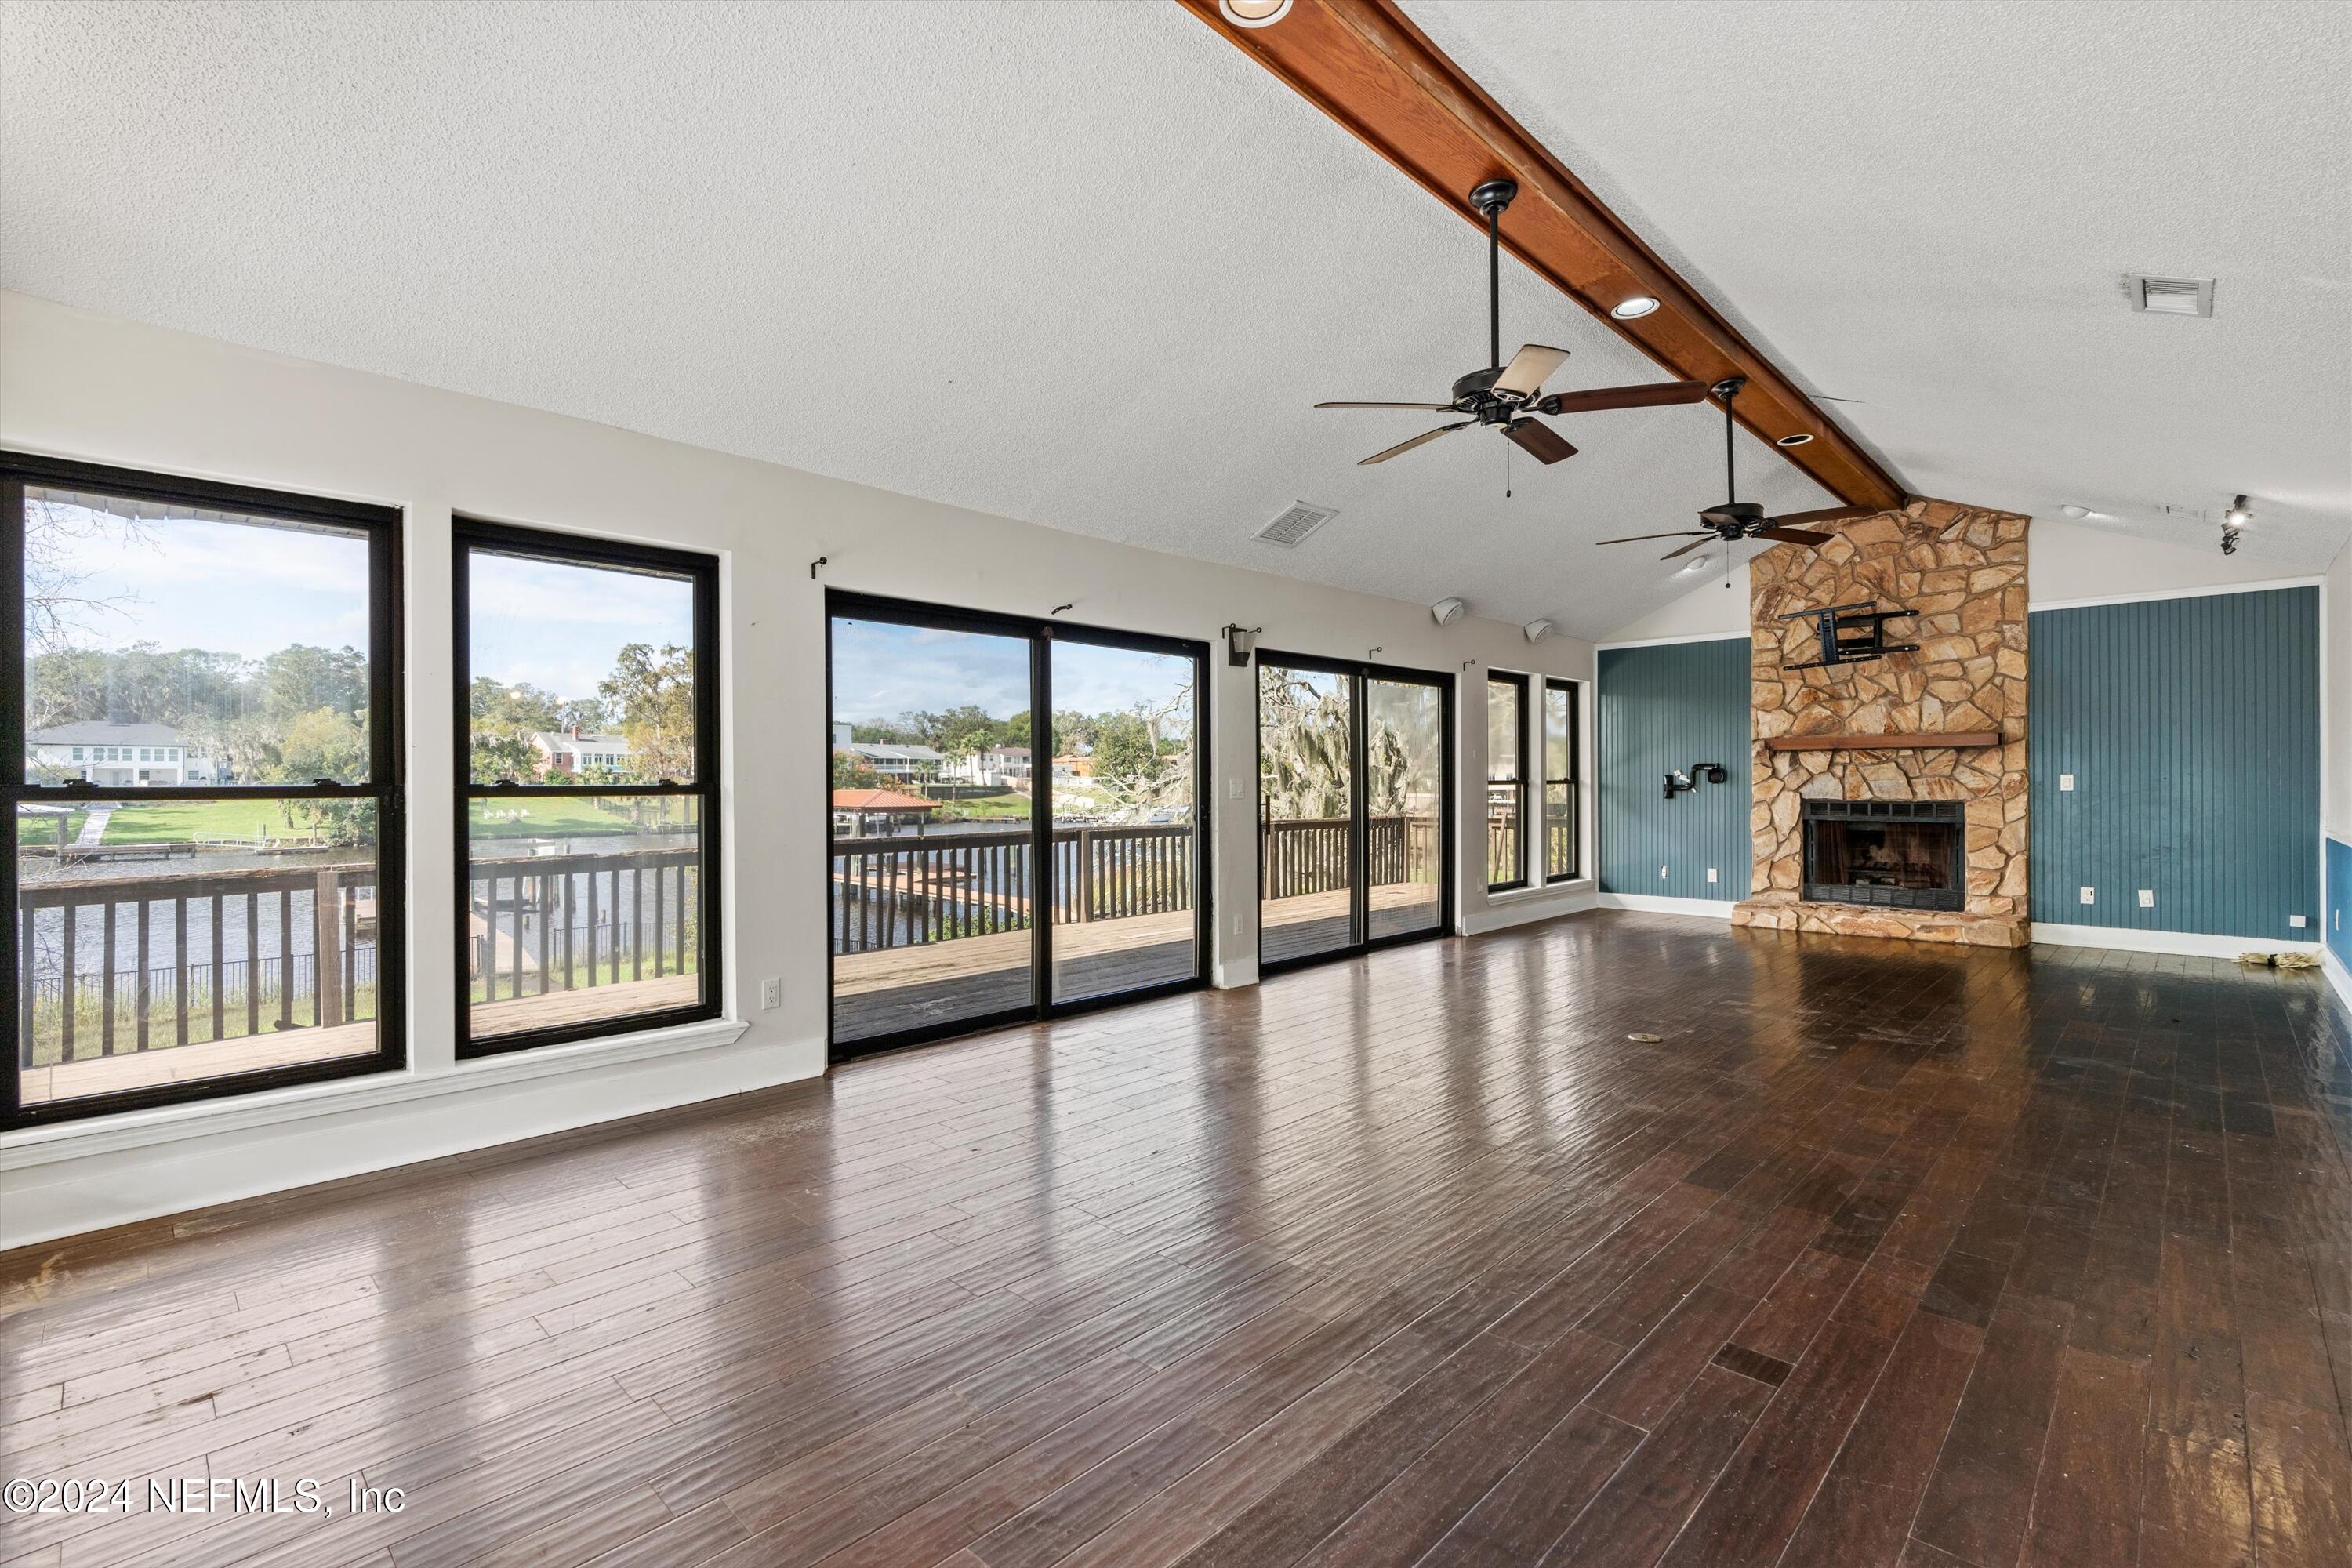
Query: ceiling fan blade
pixel 1539 440
pixel 1655 395
pixel 1527 369
pixel 1794 536
pixel 1432 407
pixel 1677 533
pixel 1827 514
pixel 1686 550
pixel 1417 440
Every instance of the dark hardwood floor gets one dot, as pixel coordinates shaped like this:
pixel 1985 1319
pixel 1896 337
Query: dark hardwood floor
pixel 1876 1255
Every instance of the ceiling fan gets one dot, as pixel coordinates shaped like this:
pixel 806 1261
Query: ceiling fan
pixel 1506 395
pixel 1736 519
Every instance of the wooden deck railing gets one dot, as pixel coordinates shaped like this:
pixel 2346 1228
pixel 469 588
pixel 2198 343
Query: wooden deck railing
pixel 1300 855
pixel 559 923
pixel 116 964
pixel 904 892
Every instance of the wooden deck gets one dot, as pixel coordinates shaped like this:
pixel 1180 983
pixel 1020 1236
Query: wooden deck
pixel 181 1064
pixel 888 991
pixel 1613 1241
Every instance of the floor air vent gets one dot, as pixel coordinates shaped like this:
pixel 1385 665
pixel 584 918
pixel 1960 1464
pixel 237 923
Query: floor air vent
pixel 1295 524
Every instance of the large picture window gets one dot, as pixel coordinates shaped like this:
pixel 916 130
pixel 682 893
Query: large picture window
pixel 1559 748
pixel 588 735
pixel 202 683
pixel 1507 781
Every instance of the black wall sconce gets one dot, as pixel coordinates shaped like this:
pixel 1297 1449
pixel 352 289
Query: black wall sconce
pixel 1679 783
pixel 1240 643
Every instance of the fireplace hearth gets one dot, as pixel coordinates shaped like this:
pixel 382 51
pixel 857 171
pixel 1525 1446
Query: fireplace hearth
pixel 1887 853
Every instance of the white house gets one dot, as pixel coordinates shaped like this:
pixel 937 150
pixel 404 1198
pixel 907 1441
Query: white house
pixel 994 765
pixel 898 762
pixel 574 752
pixel 118 755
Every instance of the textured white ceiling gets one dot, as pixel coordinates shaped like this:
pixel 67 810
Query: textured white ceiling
pixel 1085 265
pixel 1930 206
pixel 1088 265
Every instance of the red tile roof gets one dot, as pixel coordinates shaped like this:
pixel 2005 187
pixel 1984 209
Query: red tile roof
pixel 880 800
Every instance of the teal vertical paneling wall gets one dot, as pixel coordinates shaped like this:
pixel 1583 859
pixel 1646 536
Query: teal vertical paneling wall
pixel 2191 727
pixel 1662 707
pixel 2338 932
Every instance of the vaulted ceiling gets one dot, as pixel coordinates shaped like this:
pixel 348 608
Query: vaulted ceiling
pixel 1089 265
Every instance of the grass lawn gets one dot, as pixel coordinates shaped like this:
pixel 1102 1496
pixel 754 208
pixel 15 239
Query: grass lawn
pixel 984 808
pixel 557 816
pixel 180 821
pixel 40 829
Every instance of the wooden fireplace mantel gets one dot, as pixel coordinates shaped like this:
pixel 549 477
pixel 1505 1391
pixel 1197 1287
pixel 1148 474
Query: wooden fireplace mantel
pixel 1956 740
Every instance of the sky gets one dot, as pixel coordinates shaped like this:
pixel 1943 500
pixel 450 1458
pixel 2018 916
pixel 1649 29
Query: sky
pixel 254 587
pixel 561 627
pixel 226 587
pixel 881 670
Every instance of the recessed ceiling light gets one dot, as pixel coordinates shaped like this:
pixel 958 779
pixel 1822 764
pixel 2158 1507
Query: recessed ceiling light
pixel 1253 13
pixel 1630 310
pixel 2077 512
pixel 1698 564
pixel 1799 440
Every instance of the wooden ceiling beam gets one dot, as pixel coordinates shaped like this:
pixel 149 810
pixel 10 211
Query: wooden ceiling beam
pixel 1363 63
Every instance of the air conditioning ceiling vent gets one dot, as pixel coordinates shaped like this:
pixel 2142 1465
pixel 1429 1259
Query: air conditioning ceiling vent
pixel 2170 296
pixel 1294 525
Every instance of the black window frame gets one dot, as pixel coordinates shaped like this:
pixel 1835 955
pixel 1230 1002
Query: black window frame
pixel 1041 632
pixel 469 533
pixel 1360 674
pixel 387 754
pixel 1518 683
pixel 1572 781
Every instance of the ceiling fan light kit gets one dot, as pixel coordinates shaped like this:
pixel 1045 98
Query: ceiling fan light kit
pixel 1508 394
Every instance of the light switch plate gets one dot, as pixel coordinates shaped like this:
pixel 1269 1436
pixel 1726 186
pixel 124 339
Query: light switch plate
pixel 1661 873
pixel 2090 895
pixel 2147 898
pixel 2297 921
pixel 2065 780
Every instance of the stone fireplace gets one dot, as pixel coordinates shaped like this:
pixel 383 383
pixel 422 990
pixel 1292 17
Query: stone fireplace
pixel 1890 794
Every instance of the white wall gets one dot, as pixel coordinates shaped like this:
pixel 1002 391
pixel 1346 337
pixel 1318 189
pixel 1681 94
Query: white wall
pixel 2067 562
pixel 81 385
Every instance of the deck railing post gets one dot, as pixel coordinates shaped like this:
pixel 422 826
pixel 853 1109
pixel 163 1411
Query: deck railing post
pixel 326 944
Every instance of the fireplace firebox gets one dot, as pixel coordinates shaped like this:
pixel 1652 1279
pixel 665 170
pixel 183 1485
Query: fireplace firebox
pixel 1893 854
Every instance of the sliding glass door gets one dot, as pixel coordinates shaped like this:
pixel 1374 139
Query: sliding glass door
pixel 985 867
pixel 1353 813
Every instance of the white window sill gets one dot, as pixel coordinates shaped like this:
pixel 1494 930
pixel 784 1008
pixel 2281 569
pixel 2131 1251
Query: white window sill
pixel 33 1146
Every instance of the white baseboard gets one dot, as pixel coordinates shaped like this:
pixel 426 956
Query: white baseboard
pixel 1522 905
pixel 2338 975
pixel 1653 904
pixel 2190 943
pixel 73 1179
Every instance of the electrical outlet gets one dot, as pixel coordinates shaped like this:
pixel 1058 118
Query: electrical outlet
pixel 2297 921
pixel 1710 874
pixel 2147 898
pixel 1661 873
pixel 772 993
pixel 2090 895
pixel 2065 780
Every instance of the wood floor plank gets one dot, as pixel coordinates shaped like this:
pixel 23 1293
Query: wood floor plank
pixel 1878 1255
